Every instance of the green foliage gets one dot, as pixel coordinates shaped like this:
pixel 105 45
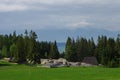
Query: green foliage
pixel 77 50
pixel 13 51
pixel 4 51
pixel 26 48
pixel 1 56
pixel 69 50
pixel 91 47
pixel 54 54
pixel 107 50
pixel 20 56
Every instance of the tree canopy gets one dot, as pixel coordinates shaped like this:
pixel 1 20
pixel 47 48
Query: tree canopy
pixel 25 48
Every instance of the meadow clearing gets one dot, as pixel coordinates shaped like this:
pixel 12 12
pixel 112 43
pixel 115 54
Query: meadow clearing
pixel 23 72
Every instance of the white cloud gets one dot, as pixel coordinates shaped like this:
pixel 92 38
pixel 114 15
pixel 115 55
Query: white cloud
pixel 5 7
pixel 62 1
pixel 81 24
pixel 60 14
pixel 13 5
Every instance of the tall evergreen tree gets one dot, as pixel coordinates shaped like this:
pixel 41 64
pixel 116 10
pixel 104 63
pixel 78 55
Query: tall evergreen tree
pixel 112 54
pixel 20 56
pixel 82 48
pixel 118 49
pixel 54 54
pixel 100 52
pixel 70 50
pixel 91 47
pixel 32 47
pixel 74 57
pixel 26 43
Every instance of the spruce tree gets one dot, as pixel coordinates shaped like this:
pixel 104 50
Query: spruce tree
pixel 20 56
pixel 54 54
pixel 68 49
pixel 91 47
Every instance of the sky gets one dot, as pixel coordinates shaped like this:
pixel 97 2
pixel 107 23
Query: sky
pixel 58 19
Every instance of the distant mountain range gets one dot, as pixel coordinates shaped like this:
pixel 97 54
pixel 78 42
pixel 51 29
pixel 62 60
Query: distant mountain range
pixel 61 35
pixel 61 46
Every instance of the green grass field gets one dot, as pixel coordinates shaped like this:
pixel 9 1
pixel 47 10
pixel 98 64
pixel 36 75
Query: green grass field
pixel 22 72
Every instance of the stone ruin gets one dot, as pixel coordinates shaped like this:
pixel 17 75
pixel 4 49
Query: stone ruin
pixel 61 62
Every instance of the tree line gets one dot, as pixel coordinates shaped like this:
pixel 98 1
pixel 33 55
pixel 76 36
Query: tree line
pixel 25 48
pixel 106 50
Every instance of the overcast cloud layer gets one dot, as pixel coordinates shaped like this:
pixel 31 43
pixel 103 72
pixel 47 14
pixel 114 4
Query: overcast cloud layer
pixel 60 14
pixel 7 5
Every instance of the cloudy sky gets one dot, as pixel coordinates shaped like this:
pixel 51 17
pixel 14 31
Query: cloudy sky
pixel 60 18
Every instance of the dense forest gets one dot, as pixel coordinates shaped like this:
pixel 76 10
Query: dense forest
pixel 106 50
pixel 25 48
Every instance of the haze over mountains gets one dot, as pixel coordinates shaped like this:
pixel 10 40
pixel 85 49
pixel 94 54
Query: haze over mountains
pixel 61 35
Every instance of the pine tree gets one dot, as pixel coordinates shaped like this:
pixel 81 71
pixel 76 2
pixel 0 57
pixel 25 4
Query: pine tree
pixel 118 50
pixel 32 54
pixel 82 47
pixel 100 52
pixel 91 47
pixel 70 50
pixel 112 53
pixel 20 56
pixel 54 54
pixel 26 43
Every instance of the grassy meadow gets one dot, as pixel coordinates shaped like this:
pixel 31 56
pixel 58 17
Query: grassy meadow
pixel 23 72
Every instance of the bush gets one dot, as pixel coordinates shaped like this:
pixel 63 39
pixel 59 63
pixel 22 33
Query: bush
pixel 113 64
